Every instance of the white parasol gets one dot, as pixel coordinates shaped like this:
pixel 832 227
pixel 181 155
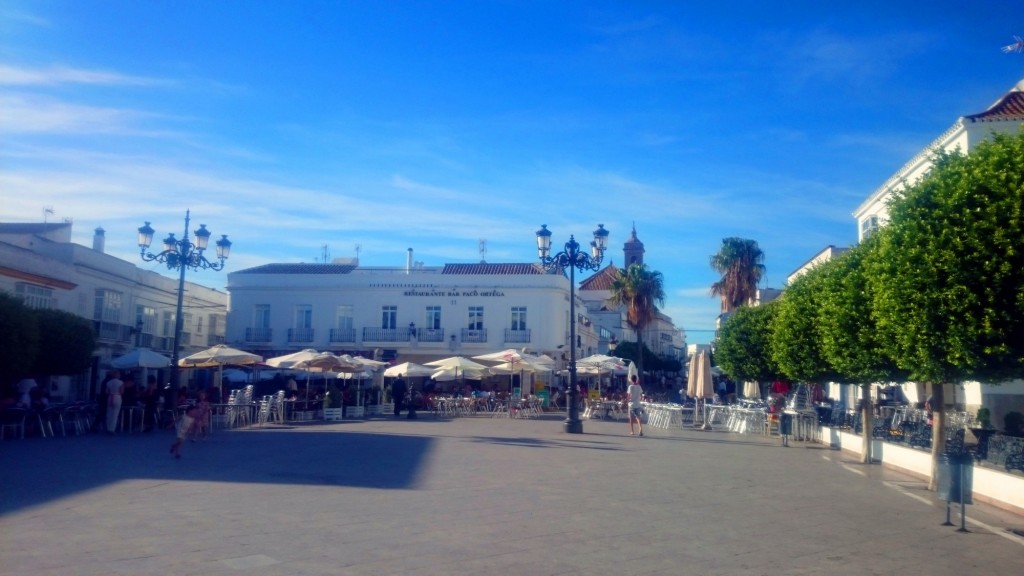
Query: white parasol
pixel 141 358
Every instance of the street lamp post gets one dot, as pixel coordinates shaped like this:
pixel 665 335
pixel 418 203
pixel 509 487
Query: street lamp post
pixel 572 258
pixel 182 255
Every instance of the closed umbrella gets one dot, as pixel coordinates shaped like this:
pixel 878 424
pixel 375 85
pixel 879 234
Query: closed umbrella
pixel 751 389
pixel 701 386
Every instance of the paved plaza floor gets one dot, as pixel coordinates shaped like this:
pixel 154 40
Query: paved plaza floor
pixel 476 496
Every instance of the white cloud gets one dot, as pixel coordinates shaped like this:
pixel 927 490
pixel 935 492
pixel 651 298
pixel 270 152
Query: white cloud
pixel 54 75
pixel 25 114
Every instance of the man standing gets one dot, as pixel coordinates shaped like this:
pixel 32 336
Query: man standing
pixel 398 394
pixel 635 396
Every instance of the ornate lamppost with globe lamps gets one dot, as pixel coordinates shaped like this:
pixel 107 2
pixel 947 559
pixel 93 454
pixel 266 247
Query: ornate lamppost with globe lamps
pixel 573 259
pixel 182 255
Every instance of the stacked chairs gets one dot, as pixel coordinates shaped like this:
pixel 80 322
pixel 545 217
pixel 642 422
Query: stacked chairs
pixel 48 417
pixel 665 415
pixel 240 407
pixel 272 408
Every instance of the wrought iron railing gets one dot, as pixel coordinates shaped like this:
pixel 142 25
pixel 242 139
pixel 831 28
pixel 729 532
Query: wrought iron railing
pixel 258 334
pixel 517 336
pixel 475 336
pixel 300 334
pixel 343 335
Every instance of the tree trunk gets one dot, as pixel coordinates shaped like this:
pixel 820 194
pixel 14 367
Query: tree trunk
pixel 938 430
pixel 640 354
pixel 866 425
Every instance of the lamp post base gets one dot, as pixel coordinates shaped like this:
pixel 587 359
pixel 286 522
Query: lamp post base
pixel 573 426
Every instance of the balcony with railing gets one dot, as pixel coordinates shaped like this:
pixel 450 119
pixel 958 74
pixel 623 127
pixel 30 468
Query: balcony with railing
pixel 343 335
pixel 300 334
pixel 258 334
pixel 430 334
pixel 517 336
pixel 214 339
pixel 113 331
pixel 387 334
pixel 474 336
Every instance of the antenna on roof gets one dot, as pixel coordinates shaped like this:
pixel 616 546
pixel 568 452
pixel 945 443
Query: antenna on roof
pixel 483 250
pixel 359 248
pixel 47 211
pixel 325 253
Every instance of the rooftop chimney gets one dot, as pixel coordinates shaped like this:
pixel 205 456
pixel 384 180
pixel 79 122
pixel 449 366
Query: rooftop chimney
pixel 408 262
pixel 99 240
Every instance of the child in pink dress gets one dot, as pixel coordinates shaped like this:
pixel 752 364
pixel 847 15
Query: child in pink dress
pixel 201 425
pixel 184 425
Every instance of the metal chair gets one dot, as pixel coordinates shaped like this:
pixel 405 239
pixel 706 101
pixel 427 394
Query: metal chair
pixel 13 418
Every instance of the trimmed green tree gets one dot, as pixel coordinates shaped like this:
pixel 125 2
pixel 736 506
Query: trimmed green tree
pixel 947 273
pixel 848 332
pixel 19 339
pixel 66 343
pixel 743 348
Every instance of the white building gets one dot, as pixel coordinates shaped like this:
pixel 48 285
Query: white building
pixel 661 336
pixel 1005 116
pixel 128 306
pixel 415 313
pixel 419 313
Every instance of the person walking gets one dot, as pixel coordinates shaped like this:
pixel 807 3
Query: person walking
pixel 635 396
pixel 115 387
pixel 184 426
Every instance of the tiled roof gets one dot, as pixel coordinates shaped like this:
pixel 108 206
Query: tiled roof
pixel 602 280
pixel 495 269
pixel 300 269
pixel 1009 107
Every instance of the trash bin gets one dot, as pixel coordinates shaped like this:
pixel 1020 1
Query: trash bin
pixel 785 424
pixel 955 477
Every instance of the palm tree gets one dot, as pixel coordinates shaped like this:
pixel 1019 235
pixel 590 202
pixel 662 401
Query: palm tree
pixel 741 264
pixel 639 289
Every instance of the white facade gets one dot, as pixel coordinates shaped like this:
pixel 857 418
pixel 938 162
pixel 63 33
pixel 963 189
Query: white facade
pixel 410 314
pixel 128 306
pixel 1003 116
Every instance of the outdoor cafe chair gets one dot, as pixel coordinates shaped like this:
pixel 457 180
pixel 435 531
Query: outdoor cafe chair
pixel 13 418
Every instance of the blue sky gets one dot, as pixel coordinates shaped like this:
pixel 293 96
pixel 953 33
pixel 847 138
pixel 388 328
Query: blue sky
pixel 432 125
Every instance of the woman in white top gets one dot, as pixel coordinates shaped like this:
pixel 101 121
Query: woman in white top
pixel 114 388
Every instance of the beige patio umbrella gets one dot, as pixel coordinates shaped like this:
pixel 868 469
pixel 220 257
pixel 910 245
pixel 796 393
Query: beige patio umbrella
pixel 512 358
pixel 217 356
pixel 290 360
pixel 370 367
pixel 600 364
pixel 409 370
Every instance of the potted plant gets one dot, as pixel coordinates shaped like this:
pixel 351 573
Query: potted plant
pixel 984 418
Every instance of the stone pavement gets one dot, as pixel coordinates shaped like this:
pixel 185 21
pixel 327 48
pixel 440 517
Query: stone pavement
pixel 475 496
